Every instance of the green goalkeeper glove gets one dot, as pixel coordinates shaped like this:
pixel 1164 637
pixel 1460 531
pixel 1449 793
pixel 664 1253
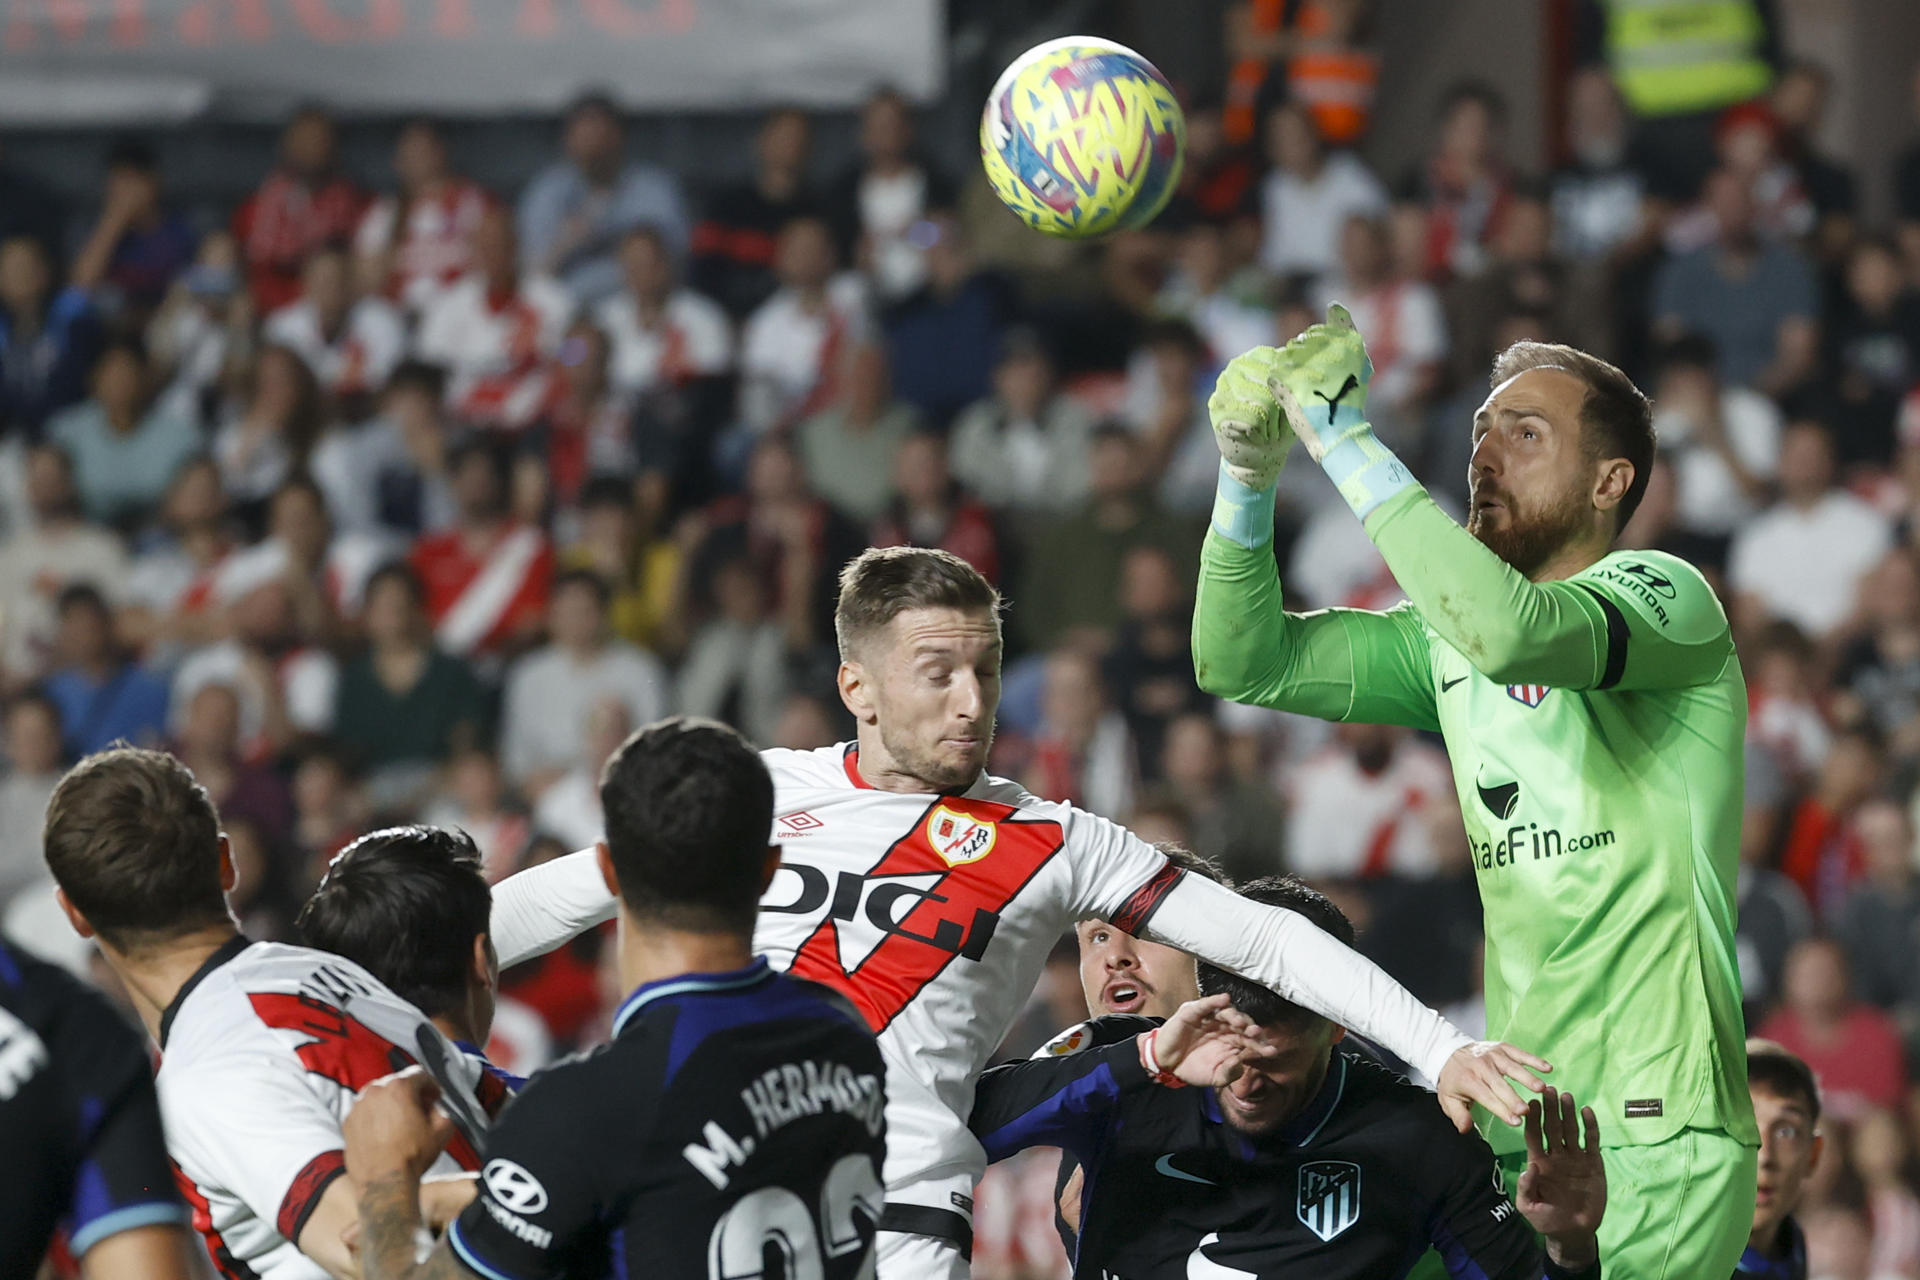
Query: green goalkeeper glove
pixel 1323 392
pixel 1253 433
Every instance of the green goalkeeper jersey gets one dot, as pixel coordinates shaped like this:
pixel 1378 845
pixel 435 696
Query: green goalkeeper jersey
pixel 1595 729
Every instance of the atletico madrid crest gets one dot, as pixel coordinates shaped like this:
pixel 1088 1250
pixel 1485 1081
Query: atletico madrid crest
pixel 959 837
pixel 1530 694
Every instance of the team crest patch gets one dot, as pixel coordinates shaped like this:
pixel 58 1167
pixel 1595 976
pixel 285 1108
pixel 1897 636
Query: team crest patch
pixel 1072 1040
pixel 1531 695
pixel 960 837
pixel 1329 1196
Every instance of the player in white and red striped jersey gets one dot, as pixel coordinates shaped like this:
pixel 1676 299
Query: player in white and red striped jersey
pixel 264 1047
pixel 929 893
pixel 421 236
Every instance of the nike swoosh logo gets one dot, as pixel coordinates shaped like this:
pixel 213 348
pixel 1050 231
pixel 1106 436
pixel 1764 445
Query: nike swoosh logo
pixel 1165 1165
pixel 1448 684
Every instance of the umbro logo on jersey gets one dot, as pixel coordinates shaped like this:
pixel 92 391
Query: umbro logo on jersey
pixel 1531 695
pixel 799 824
pixel 960 837
pixel 1165 1165
pixel 1328 1201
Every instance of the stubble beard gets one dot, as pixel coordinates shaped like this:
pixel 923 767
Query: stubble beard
pixel 938 774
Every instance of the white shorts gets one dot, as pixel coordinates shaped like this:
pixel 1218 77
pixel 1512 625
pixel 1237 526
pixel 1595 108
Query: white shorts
pixel 899 1255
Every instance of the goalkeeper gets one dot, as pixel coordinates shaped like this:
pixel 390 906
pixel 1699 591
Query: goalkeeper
pixel 1593 710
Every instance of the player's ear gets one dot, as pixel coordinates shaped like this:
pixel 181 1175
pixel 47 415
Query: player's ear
pixel 486 964
pixel 1611 485
pixel 855 694
pixel 1339 1034
pixel 72 913
pixel 1819 1145
pixel 229 874
pixel 772 865
pixel 603 858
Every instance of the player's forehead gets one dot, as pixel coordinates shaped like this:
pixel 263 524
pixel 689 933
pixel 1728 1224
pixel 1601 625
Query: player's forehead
pixel 964 635
pixel 1552 392
pixel 1769 1105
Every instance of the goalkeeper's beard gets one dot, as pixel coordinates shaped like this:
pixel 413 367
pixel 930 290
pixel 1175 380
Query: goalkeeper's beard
pixel 1526 537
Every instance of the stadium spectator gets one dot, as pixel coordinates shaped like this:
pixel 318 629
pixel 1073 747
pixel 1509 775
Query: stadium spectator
pixel 1878 676
pixel 271 434
pixel 1358 809
pixel 1799 105
pixel 1853 1048
pixel 351 343
pixel 1319 48
pixel 880 203
pixel 1773 918
pixel 137 246
pixel 1757 300
pixel 570 808
pixel 305 203
pixel 1465 184
pixel 1425 930
pixel 1075 555
pixel 849 446
pixel 1786 1103
pixel 736 666
pixel 1803 559
pixel 1882 1154
pixel 589 426
pixel 1878 922
pixel 403 706
pixel 1024 448
pixel 574 212
pixel 733 242
pixel 1308 196
pixel 792 346
pixel 930 509
pixel 1822 851
pixel 203 329
pixel 1150 666
pixel 53 549
pixel 210 743
pixel 1405 324
pixel 1081 751
pixel 169 593
pixel 28 207
pixel 1219 180
pixel 943 336
pixel 551 692
pixel 662 334
pixel 391 474
pixel 621 541
pixel 495 332
pixel 1230 308
pixel 474 799
pixel 1167 384
pixel 35 760
pixel 1599 197
pixel 48 338
pixel 486 577
pixel 418 241
pixel 1873 351
pixel 103 696
pixel 1236 824
pixel 1723 443
pixel 125 447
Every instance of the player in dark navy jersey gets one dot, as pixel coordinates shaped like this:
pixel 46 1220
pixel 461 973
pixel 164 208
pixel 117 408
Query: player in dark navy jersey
pixel 80 1133
pixel 1786 1103
pixel 1315 1160
pixel 736 1117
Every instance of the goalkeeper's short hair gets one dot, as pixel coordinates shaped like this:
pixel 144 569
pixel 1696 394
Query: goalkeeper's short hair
pixel 1265 1007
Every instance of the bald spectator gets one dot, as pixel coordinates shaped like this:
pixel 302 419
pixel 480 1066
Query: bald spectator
pixel 1803 559
pixel 574 212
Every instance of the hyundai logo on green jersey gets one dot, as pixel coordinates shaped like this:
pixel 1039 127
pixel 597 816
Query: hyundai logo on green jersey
pixel 1652 577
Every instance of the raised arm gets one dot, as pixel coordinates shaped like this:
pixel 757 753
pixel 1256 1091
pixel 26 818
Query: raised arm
pixel 548 906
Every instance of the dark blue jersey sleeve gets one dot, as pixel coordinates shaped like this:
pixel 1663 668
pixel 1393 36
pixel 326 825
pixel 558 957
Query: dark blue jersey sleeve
pixel 1063 1096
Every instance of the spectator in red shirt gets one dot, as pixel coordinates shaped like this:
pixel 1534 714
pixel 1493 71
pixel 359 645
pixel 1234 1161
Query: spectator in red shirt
pixel 305 203
pixel 1853 1048
pixel 1823 853
pixel 1466 185
pixel 418 240
pixel 930 510
pixel 486 578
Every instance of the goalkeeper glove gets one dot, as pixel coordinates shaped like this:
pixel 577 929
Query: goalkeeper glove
pixel 1252 431
pixel 1323 392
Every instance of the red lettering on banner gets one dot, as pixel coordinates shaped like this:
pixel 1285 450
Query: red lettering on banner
pixel 954 920
pixel 69 19
pixel 129 29
pixel 452 19
pixel 384 21
pixel 201 24
pixel 616 19
pixel 536 18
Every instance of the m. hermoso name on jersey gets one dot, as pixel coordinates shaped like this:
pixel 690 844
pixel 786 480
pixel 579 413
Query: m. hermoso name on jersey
pixel 780 1096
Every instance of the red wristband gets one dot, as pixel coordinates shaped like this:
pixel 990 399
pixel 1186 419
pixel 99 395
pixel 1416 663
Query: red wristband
pixel 1155 1072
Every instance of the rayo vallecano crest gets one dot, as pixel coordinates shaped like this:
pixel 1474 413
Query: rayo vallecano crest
pixel 960 837
pixel 1329 1196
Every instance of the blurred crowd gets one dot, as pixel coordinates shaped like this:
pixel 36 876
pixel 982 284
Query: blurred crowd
pixel 391 497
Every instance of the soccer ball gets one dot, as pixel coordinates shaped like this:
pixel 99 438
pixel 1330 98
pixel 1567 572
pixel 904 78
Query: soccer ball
pixel 1082 136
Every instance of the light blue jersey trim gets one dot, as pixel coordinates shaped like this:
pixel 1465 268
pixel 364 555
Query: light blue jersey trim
pixel 758 971
pixel 466 1254
pixel 1339 1091
pixel 159 1213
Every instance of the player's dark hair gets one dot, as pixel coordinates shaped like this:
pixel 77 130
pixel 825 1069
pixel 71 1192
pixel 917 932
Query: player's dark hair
pixel 424 377
pixel 1616 419
pixel 405 904
pixel 881 583
pixel 1198 863
pixel 133 840
pixel 1691 351
pixel 586 578
pixel 397 571
pixel 81 595
pixel 1265 1007
pixel 688 807
pixel 1774 1068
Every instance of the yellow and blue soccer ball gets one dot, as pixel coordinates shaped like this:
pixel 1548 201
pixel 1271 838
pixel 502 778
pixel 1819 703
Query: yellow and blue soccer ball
pixel 1082 136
